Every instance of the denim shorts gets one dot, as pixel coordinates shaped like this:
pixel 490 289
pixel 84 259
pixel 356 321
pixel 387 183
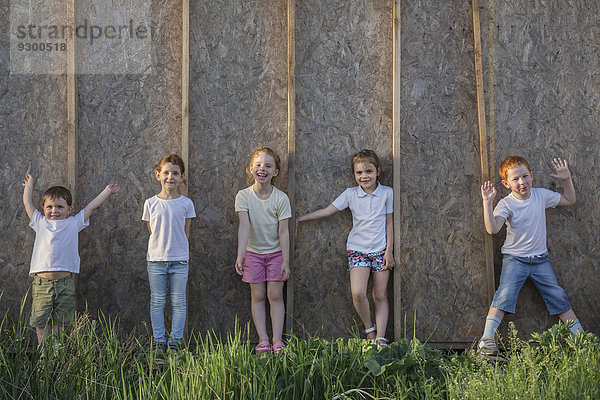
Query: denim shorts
pixel 53 301
pixel 516 270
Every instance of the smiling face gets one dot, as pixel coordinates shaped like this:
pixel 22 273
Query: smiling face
pixel 56 209
pixel 169 176
pixel 263 168
pixel 365 174
pixel 519 180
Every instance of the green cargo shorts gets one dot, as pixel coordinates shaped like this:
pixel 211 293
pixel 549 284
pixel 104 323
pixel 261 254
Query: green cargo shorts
pixel 53 301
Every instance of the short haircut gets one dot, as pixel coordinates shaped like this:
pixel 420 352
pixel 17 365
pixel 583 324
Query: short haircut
pixel 366 155
pixel 510 163
pixel 171 159
pixel 266 150
pixel 56 192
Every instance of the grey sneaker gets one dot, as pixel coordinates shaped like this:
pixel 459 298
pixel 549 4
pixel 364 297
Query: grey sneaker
pixel 159 347
pixel 487 346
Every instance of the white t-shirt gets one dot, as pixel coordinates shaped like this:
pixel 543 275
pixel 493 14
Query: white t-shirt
pixel 168 241
pixel 56 243
pixel 368 217
pixel 526 222
pixel 264 218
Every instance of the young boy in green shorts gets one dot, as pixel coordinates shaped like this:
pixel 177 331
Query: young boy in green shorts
pixel 524 253
pixel 55 255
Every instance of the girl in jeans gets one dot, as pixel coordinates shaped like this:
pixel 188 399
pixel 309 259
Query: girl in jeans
pixel 168 215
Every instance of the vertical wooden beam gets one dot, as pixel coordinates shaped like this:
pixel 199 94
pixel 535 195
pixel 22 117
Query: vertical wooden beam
pixel 491 87
pixel 185 108
pixel 71 88
pixel 291 121
pixel 483 144
pixel 396 65
pixel 185 89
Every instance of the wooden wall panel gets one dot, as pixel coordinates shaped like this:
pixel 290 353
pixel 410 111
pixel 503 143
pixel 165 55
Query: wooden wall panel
pixel 34 140
pixel 127 122
pixel 238 101
pixel 344 104
pixel 33 126
pixel 443 283
pixel 547 85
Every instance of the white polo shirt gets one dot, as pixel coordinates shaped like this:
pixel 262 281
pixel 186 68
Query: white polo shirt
pixel 168 241
pixel 526 222
pixel 56 243
pixel 368 216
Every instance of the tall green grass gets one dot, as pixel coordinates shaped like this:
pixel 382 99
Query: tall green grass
pixel 551 365
pixel 96 361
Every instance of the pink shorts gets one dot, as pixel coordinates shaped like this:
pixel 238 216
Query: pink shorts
pixel 263 267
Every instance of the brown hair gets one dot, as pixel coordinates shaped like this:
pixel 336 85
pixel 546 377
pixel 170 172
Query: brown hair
pixel 56 192
pixel 510 163
pixel 268 151
pixel 171 159
pixel 366 155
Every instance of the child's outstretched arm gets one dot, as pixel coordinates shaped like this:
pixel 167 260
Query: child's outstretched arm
pixel 322 213
pixel 388 257
pixel 568 198
pixel 492 224
pixel 243 233
pixel 284 242
pixel 28 195
pixel 97 202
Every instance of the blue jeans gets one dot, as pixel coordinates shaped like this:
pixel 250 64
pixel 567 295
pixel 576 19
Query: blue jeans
pixel 516 270
pixel 177 274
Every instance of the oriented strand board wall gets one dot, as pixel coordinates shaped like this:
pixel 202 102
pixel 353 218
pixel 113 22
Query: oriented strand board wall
pixel 344 104
pixel 238 101
pixel 443 276
pixel 127 122
pixel 33 127
pixel 547 103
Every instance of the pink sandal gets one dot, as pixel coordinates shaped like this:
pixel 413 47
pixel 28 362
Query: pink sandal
pixel 278 347
pixel 262 347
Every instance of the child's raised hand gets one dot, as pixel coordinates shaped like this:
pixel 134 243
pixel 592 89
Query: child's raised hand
pixel 562 170
pixel 28 181
pixel 239 266
pixel 113 188
pixel 488 191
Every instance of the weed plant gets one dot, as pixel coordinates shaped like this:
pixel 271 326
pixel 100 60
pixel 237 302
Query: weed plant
pixel 93 360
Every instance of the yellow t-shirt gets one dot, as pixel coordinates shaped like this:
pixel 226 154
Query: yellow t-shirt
pixel 264 218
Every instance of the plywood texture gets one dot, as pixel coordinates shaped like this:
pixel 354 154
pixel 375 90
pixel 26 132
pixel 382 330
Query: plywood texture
pixel 344 104
pixel 238 89
pixel 126 124
pixel 33 127
pixel 443 283
pixel 547 103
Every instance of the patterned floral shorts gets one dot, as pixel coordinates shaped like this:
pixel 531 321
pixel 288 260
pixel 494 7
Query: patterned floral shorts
pixel 369 260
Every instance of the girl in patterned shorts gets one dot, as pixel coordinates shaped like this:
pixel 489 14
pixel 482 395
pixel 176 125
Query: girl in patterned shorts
pixel 370 242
